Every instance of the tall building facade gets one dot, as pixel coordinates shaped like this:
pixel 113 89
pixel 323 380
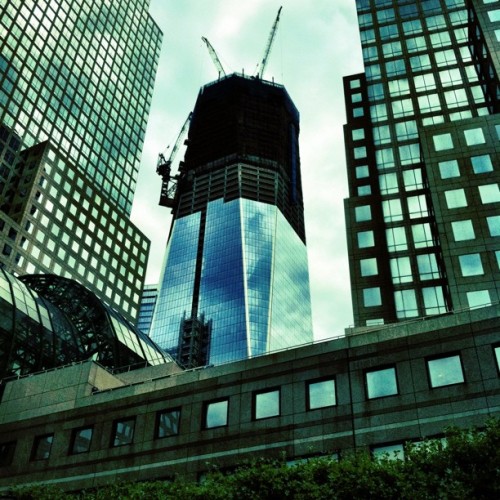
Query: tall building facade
pixel 235 280
pixel 76 81
pixel 422 146
pixel 146 310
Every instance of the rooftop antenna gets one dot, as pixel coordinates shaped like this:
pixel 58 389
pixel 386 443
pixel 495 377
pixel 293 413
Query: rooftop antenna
pixel 270 40
pixel 214 57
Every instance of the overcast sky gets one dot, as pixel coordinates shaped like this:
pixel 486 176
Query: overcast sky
pixel 317 43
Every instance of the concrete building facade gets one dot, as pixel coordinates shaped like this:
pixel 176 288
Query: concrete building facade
pixel 81 426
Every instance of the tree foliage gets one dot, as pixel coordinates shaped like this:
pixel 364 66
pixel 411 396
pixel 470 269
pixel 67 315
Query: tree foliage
pixel 465 465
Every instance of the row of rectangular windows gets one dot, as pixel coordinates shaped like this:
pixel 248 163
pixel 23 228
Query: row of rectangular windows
pixel 380 382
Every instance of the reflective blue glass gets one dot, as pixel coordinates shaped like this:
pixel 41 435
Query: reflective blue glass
pixel 257 293
pixel 175 294
pixel 253 286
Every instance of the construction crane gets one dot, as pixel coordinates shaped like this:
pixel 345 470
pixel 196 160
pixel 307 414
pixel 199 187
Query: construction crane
pixel 164 167
pixel 214 57
pixel 270 40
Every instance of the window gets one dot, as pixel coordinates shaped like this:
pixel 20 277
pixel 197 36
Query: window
pixel 381 382
pixel 445 371
pixel 406 304
pixel 80 440
pixel 448 169
pixel 409 154
pixel 362 172
pixel 496 350
pixel 489 193
pixel 321 394
pixel 494 225
pixel 421 62
pixel 463 230
pixel 167 423
pixel 7 453
pixel 358 134
pixel 396 239
pixel 363 213
pixel 474 136
pixel 371 297
pixel 428 103
pixel 442 142
pixel 413 179
pixel 366 239
pixel 359 153
pixel 481 164
pixel 384 158
pixel 364 190
pixel 381 135
pixel 424 82
pixel 478 298
pixel 406 130
pixel 389 451
pixel 41 447
pixel 455 198
pixel 470 264
pixel 388 183
pixel 417 206
pixel 434 300
pixel 427 266
pixel 399 87
pixel 123 432
pixel 422 235
pixel 266 404
pixel 395 67
pixel 368 267
pixel 215 414
pixel 401 270
pixel 402 107
pixel 392 210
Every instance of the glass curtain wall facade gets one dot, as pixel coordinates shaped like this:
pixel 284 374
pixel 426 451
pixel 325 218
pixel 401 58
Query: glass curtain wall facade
pixel 236 258
pixel 47 321
pixel 76 76
pixel 419 118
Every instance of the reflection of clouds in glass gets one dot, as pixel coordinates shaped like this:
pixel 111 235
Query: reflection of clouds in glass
pixel 222 293
pixel 216 414
pixel 177 282
pixel 261 252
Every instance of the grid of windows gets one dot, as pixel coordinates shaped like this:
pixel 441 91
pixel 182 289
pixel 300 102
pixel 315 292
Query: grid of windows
pixel 419 74
pixel 101 102
pixel 320 393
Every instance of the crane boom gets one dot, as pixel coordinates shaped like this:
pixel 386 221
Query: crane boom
pixel 215 57
pixel 163 168
pixel 269 44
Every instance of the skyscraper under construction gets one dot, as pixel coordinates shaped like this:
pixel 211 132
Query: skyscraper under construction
pixel 235 280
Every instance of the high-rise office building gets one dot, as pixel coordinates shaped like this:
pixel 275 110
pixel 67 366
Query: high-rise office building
pixel 422 145
pixel 76 80
pixel 235 281
pixel 147 307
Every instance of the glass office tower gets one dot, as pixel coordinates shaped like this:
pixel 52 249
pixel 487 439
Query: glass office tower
pixel 76 80
pixel 235 281
pixel 422 147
